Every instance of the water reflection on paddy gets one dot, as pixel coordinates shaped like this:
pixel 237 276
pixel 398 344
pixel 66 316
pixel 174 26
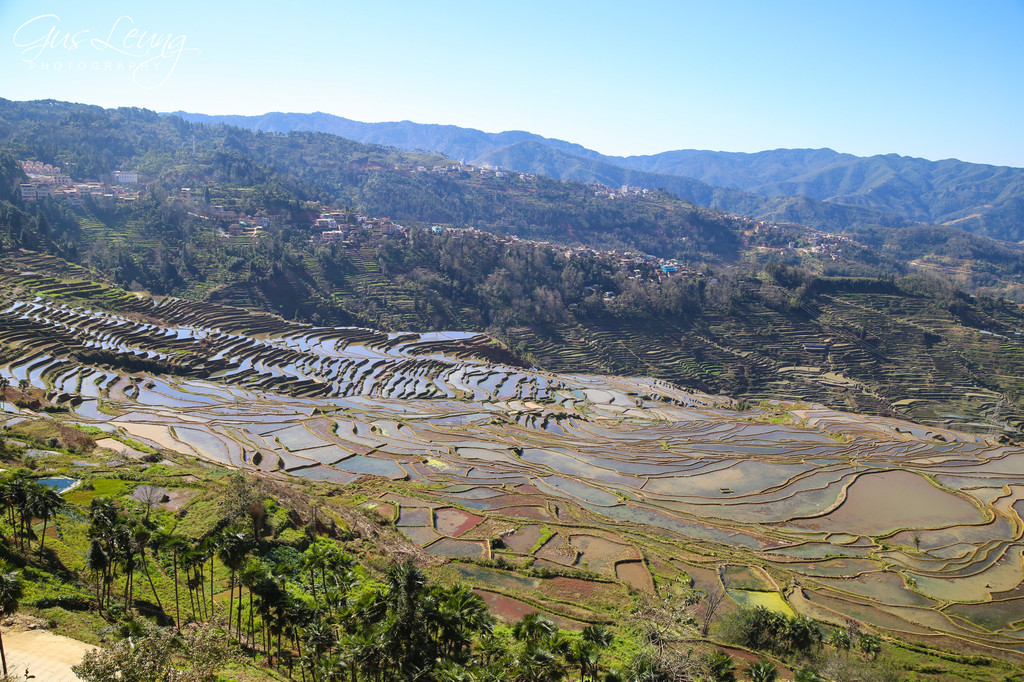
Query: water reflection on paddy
pixel 881 502
pixel 645 464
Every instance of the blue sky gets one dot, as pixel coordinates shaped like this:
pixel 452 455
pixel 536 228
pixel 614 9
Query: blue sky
pixel 936 79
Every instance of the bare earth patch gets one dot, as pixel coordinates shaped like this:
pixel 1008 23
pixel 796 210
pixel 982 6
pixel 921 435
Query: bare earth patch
pixel 47 656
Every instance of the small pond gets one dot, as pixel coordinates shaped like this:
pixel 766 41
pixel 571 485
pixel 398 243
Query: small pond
pixel 61 484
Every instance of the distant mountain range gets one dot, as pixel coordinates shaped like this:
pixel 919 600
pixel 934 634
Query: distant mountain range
pixel 816 187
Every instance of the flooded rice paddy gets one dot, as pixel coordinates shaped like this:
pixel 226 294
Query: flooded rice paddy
pixel 904 527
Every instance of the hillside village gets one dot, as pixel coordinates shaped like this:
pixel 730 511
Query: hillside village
pixel 47 181
pixel 345 227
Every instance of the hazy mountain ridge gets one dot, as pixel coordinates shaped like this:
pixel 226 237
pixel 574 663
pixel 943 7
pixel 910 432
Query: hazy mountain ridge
pixel 528 153
pixel 536 157
pixel 980 198
pixel 457 143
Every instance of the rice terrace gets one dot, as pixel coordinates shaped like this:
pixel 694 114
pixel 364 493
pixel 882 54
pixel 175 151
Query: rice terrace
pixel 487 464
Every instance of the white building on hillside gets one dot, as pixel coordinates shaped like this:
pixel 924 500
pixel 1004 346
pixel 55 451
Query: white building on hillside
pixel 125 177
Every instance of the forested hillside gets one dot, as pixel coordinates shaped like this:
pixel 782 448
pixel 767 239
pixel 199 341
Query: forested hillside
pixel 692 296
pixel 782 184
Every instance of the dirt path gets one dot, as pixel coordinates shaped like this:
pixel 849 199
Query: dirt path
pixel 49 657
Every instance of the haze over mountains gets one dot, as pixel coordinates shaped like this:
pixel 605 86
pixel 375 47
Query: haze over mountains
pixel 816 187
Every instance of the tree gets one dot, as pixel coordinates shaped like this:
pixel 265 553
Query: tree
pixel 46 503
pixel 143 536
pixel 98 562
pixel 537 664
pixel 807 674
pixel 166 541
pixel 154 655
pixel 763 671
pixel 597 637
pixel 325 556
pixel 459 614
pixel 840 639
pixel 233 548
pixel 708 607
pixel 584 655
pixel 870 645
pixel 720 667
pixel 17 495
pixel 801 634
pixel 407 638
pixel 10 593
pixel 667 617
pixel 253 573
pixel 534 628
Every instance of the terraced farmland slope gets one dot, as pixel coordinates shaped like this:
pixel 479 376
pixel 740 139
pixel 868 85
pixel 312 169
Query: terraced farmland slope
pixel 911 530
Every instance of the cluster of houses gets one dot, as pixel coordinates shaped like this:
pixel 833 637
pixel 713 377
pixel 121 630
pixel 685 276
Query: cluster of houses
pixel 624 191
pixel 334 226
pixel 638 262
pixel 49 182
pixel 828 244
pixel 822 243
pixel 339 226
pixel 241 224
pixel 484 171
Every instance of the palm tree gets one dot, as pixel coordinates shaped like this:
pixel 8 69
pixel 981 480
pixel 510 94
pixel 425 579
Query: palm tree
pixel 28 493
pixel 460 613
pixel 315 557
pixel 840 639
pixel 193 560
pixel 320 639
pixel 801 633
pixel 327 558
pixel 599 635
pixel 209 544
pixel 4 385
pixel 408 639
pixel 46 502
pixel 533 628
pixel 491 647
pixel 537 664
pixel 163 541
pixel 870 645
pixel 143 537
pixel 363 651
pixel 763 671
pixel 10 592
pixel 643 667
pixel 450 671
pixel 124 552
pixel 807 674
pixel 585 655
pixel 601 638
pixel 104 518
pixel 253 573
pixel 721 667
pixel 16 494
pixel 233 548
pixel 7 500
pixel 97 562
